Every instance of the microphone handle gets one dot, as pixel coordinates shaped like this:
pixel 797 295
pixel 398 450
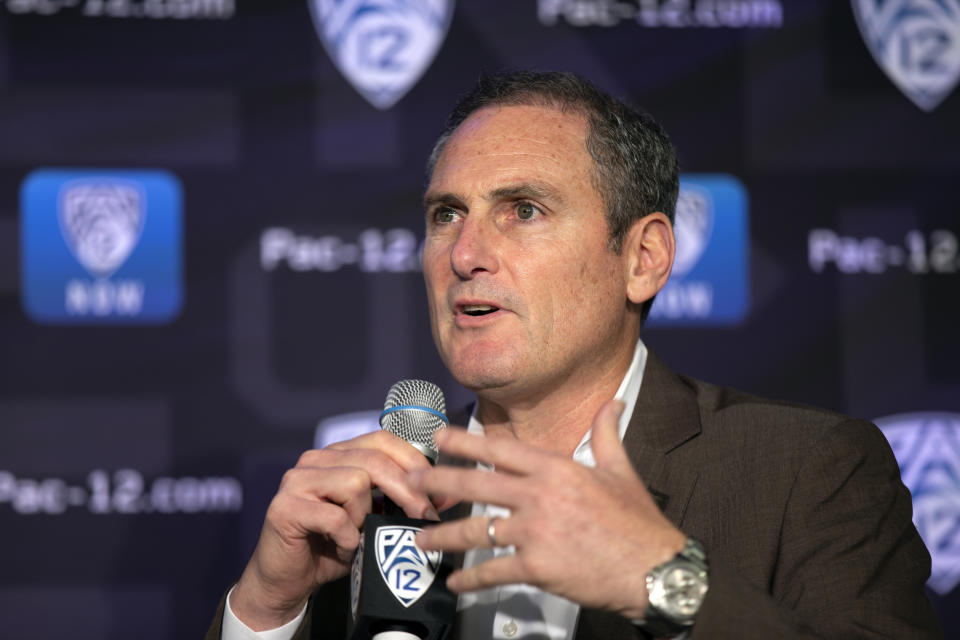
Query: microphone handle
pixel 393 630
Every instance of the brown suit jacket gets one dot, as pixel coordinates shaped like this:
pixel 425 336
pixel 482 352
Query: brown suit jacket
pixel 806 523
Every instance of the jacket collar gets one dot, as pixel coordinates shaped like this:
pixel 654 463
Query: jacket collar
pixel 666 416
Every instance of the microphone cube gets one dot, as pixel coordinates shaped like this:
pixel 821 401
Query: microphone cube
pixel 395 585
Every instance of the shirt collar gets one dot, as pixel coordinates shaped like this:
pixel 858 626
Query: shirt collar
pixel 627 394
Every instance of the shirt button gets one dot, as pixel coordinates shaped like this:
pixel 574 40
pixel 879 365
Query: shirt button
pixel 510 629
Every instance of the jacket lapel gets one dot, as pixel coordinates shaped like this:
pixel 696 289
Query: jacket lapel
pixel 665 417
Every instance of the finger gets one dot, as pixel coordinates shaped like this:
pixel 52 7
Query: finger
pixel 461 535
pixel 474 485
pixel 504 453
pixel 608 450
pixel 442 502
pixel 384 473
pixel 492 573
pixel 400 451
pixel 349 487
pixel 295 517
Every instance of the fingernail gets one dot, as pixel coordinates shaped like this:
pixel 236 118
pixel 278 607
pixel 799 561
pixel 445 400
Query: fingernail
pixel 430 513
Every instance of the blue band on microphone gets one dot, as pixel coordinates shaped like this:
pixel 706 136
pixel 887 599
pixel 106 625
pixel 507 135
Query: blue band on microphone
pixel 413 407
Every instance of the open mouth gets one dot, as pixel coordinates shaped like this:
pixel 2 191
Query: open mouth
pixel 477 310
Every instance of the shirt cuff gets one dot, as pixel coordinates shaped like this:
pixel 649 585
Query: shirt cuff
pixel 234 629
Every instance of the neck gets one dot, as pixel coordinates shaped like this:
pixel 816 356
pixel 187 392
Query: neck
pixel 556 418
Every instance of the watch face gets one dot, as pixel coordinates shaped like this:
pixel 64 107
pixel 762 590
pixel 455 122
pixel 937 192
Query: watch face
pixel 683 591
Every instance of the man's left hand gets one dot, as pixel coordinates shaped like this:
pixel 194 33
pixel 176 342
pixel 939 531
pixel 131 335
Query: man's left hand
pixel 587 534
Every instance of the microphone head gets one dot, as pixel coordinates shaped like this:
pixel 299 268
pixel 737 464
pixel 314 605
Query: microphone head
pixel 414 410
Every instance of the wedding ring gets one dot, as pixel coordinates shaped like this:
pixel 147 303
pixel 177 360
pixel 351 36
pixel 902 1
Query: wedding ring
pixel 491 533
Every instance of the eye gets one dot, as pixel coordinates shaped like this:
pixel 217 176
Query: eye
pixel 527 211
pixel 444 215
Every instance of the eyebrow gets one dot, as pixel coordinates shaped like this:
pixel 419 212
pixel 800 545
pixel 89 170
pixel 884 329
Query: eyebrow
pixel 535 190
pixel 448 198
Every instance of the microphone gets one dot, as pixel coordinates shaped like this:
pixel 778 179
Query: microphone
pixel 397 590
pixel 415 410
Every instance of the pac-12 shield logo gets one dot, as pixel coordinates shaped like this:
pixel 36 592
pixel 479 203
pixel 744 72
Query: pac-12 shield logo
pixel 916 43
pixel 693 225
pixel 382 46
pixel 927 447
pixel 407 570
pixel 101 221
pixel 709 284
pixel 101 247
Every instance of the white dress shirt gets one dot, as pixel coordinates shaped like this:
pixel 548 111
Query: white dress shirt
pixel 507 612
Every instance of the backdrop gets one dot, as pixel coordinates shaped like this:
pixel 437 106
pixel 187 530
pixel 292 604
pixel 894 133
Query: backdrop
pixel 210 225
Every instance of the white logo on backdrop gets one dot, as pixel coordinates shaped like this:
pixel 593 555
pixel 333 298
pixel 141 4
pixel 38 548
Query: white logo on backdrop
pixel 382 46
pixel 101 221
pixel 927 446
pixel 693 226
pixel 408 570
pixel 916 43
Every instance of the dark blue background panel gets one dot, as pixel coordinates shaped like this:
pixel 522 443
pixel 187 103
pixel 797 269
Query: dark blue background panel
pixel 260 176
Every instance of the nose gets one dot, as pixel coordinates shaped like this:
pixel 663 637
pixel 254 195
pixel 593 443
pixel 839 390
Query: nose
pixel 474 251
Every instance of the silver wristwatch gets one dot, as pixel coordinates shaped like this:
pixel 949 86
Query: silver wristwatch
pixel 676 590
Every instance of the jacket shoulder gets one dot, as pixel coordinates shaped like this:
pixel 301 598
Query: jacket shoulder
pixel 734 410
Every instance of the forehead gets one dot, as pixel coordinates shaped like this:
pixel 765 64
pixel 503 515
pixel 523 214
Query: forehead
pixel 514 142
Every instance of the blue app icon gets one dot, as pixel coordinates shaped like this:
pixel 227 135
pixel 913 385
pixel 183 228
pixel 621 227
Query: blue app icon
pixel 710 282
pixel 101 246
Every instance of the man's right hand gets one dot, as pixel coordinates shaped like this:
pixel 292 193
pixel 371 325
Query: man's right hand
pixel 312 527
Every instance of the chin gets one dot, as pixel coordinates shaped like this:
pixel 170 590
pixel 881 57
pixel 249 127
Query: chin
pixel 478 373
pixel 478 379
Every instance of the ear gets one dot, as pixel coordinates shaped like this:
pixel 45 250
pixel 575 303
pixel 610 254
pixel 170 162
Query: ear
pixel 648 251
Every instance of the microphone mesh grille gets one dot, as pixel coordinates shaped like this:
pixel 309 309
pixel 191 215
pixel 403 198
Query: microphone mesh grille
pixel 414 426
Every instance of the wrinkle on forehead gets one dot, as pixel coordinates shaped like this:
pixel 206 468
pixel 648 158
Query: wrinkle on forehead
pixel 574 124
pixel 515 139
pixel 510 142
pixel 518 152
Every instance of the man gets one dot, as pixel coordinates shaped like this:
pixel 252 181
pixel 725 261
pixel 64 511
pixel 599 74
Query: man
pixel 549 233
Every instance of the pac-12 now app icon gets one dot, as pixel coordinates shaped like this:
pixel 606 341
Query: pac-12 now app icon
pixel 101 246
pixel 710 282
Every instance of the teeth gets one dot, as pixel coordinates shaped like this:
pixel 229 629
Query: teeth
pixel 477 307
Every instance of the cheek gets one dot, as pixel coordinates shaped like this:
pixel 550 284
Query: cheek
pixel 435 304
pixel 433 264
pixel 590 293
pixel 554 298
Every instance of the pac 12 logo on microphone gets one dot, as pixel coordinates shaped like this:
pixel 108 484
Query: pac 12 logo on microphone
pixel 101 247
pixel 407 570
pixel 710 282
pixel 916 43
pixel 382 46
pixel 927 447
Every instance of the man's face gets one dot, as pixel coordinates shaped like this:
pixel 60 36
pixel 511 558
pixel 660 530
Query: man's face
pixel 525 294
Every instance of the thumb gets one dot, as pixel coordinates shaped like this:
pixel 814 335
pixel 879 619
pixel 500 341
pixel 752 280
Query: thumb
pixel 608 451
